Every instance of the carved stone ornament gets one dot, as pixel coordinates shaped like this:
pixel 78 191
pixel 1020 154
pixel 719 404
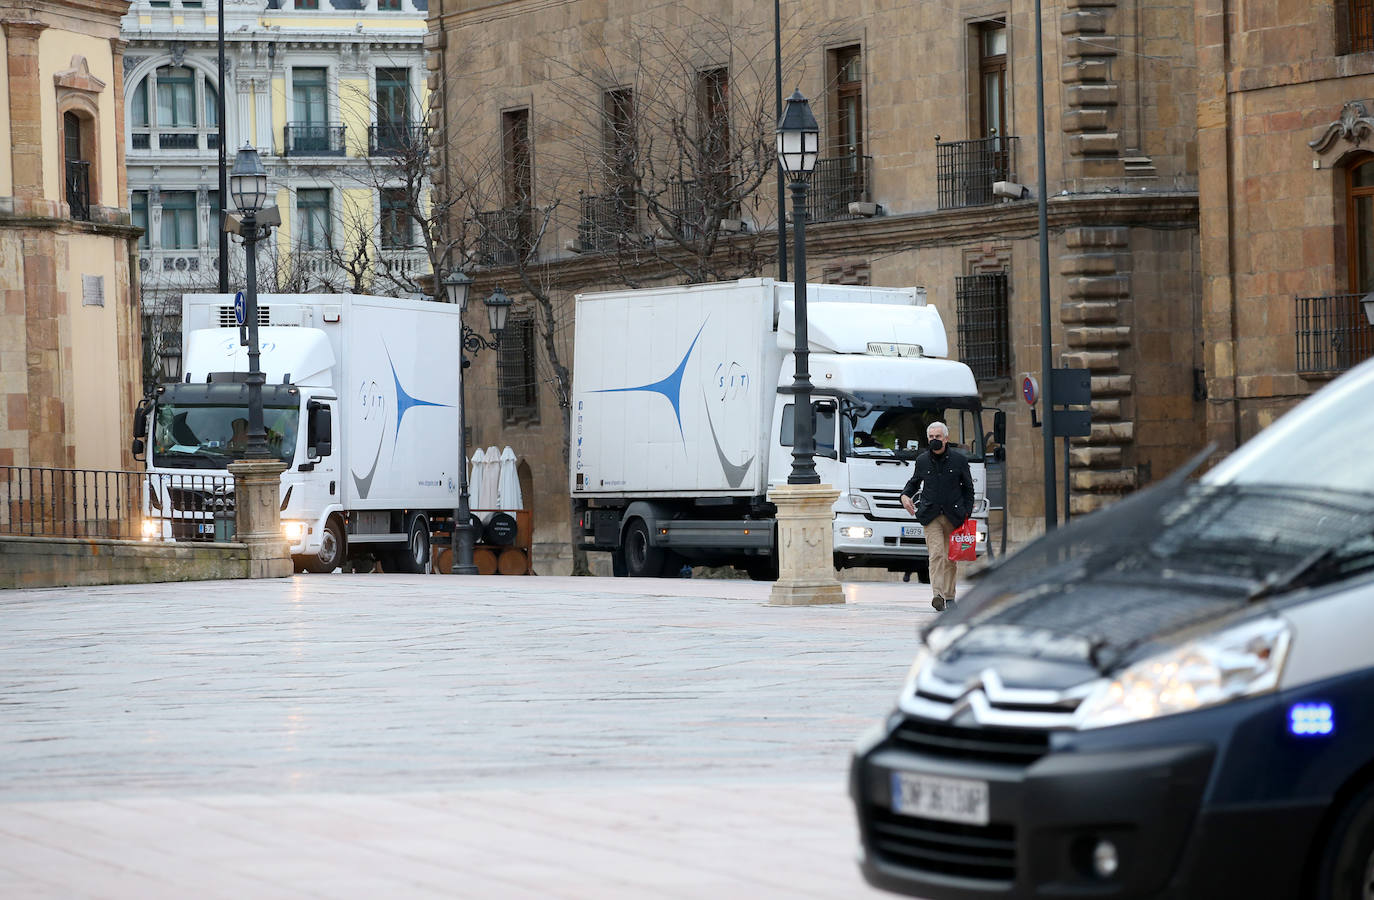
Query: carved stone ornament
pixel 178 52
pixel 131 63
pixel 1354 125
pixel 79 77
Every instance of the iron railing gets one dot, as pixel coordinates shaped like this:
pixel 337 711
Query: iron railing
pixel 966 170
pixel 178 140
pixel 1333 333
pixel 506 236
pixel 96 503
pixel 692 204
pixel 607 220
pixel 1357 20
pixel 395 139
pixel 984 336
pixel 837 182
pixel 313 139
pixel 79 188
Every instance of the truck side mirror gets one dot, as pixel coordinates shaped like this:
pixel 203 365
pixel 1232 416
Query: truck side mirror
pixel 999 427
pixel 138 449
pixel 319 429
pixel 141 418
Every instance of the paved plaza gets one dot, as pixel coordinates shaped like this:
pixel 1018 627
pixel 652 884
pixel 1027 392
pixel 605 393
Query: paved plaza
pixel 426 736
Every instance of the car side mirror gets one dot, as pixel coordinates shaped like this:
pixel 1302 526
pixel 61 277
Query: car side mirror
pixel 320 427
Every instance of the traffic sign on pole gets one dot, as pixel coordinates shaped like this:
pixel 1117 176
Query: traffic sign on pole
pixel 240 308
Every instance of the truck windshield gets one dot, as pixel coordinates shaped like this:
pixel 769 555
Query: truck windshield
pixel 204 436
pixel 884 426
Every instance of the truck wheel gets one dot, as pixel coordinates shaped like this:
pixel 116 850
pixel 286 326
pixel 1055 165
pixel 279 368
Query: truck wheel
pixel 415 557
pixel 331 552
pixel 1347 867
pixel 642 559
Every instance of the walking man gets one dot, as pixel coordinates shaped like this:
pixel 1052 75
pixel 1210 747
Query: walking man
pixel 946 490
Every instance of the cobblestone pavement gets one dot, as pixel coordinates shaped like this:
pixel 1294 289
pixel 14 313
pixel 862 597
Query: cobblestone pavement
pixel 393 736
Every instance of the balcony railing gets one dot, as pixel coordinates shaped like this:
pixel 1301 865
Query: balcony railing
pixel 174 140
pixel 191 262
pixel 837 182
pixel 1333 334
pixel 313 140
pixel 692 204
pixel 607 220
pixel 396 139
pixel 93 503
pixel 966 170
pixel 178 140
pixel 79 189
pixel 507 236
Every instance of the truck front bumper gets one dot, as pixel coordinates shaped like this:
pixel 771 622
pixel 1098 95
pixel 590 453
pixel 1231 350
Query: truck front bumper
pixel 881 542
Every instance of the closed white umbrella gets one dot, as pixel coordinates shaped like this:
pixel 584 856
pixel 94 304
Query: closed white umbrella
pixel 491 478
pixel 475 474
pixel 509 483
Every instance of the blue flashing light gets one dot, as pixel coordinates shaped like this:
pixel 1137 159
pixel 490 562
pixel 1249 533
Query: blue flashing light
pixel 1311 719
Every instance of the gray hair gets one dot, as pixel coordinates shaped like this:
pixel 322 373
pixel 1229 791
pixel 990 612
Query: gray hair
pixel 944 429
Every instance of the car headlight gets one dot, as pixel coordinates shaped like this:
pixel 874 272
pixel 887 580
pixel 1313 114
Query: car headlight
pixel 859 502
pixel 293 531
pixel 1239 662
pixel 909 685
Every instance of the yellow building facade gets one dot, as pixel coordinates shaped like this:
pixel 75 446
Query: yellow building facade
pixel 69 329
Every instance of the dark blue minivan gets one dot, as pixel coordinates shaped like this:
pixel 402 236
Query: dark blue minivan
pixel 1173 697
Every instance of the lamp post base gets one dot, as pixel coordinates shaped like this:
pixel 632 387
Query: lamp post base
pixel 806 546
pixel 257 507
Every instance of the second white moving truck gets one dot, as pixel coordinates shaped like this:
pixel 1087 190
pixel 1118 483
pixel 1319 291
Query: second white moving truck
pixel 680 429
pixel 361 403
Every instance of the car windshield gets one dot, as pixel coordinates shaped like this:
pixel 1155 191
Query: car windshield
pixel 208 436
pixel 1320 444
pixel 882 425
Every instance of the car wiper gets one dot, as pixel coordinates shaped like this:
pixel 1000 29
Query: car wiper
pixel 1316 566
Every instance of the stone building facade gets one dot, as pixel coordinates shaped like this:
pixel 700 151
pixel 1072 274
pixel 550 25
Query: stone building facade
pixel 69 338
pixel 1285 133
pixel 322 88
pixel 922 108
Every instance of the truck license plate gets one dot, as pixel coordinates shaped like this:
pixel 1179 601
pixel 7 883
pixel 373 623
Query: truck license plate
pixel 946 799
pixel 913 531
pixel 206 528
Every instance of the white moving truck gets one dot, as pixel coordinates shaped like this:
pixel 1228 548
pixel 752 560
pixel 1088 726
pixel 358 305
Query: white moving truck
pixel 361 403
pixel 682 421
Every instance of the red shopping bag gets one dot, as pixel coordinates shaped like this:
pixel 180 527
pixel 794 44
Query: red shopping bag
pixel 963 542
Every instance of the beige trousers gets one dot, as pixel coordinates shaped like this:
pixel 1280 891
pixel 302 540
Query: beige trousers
pixel 942 568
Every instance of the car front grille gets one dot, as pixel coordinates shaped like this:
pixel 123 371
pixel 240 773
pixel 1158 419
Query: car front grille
pixel 1013 746
pixel 985 852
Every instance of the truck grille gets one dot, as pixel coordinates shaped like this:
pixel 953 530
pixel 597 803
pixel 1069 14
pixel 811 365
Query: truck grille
pixel 1012 746
pixel 985 852
pixel 201 500
pixel 886 504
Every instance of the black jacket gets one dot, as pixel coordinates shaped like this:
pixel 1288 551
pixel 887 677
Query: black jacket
pixel 945 484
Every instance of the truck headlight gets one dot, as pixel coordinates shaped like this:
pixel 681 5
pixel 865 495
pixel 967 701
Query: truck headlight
pixel 859 502
pixel 293 531
pixel 980 506
pixel 151 528
pixel 1239 662
pixel 856 532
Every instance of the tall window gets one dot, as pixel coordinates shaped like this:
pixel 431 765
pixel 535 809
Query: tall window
pixel 847 137
pixel 1357 25
pixel 393 97
pixel 992 79
pixel 176 97
pixel 308 96
pixel 179 220
pixel 1360 225
pixel 713 127
pixel 398 232
pixel 77 168
pixel 176 103
pixel 516 377
pixel 518 157
pixel 138 212
pixel 312 206
pixel 984 336
pixel 618 134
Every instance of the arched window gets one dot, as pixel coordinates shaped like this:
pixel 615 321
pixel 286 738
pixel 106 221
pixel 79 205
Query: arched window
pixel 1360 223
pixel 174 108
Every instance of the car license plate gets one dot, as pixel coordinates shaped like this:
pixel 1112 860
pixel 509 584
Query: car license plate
pixel 946 799
pixel 913 531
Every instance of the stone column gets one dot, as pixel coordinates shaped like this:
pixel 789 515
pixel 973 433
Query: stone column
pixel 26 112
pixel 806 545
pixel 257 507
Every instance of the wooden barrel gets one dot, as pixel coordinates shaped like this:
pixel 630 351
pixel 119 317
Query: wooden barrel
pixel 513 561
pixel 485 560
pixel 500 529
pixel 443 559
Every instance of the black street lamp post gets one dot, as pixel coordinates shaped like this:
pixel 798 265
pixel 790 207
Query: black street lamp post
pixel 456 286
pixel 798 143
pixel 248 186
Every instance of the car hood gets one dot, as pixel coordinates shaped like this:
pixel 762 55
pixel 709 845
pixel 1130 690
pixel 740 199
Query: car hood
pixel 1088 597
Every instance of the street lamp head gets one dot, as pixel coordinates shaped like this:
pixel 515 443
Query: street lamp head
pixel 798 137
pixel 457 283
pixel 248 181
pixel 498 306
